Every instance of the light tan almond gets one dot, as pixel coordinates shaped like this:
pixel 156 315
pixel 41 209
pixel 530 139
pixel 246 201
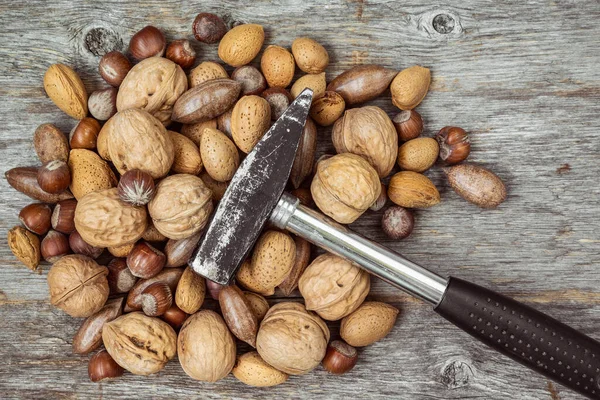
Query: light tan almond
pixel 66 90
pixel 187 156
pixel 258 304
pixel 372 321
pixel 412 190
pixel 241 44
pixel 250 119
pixel 327 109
pixel 89 173
pixel 310 56
pixel 418 154
pixel 206 71
pixel 410 86
pixel 277 65
pixel 190 291
pixel 194 131
pixel 252 370
pixel 316 82
pixel 220 156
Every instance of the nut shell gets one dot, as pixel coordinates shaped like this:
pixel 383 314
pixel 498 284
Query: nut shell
pixel 252 370
pixel 241 44
pixel 327 109
pixel 206 71
pixel 316 82
pixel 54 176
pixel 89 335
pixel 300 263
pixel 182 53
pixel 147 42
pixel 66 90
pixel 208 28
pixel 186 155
pixel 54 246
pixel 418 154
pixel 409 124
pixel 205 348
pixel 103 103
pixel 84 135
pixel 78 285
pixel 252 80
pixel 305 155
pixel 412 190
pixel 103 220
pixel 142 345
pixel 24 179
pixel 219 154
pixel 250 119
pixel 89 173
pixel 170 276
pixel 206 101
pixel 277 64
pixel 345 186
pixel 238 314
pixel 194 131
pixel 25 246
pixel 113 67
pixel 311 57
pixel 397 222
pixel 371 322
pixel 258 305
pixel 181 206
pixel 362 83
pixel 190 292
pixel 36 217
pixel 153 85
pixel 477 185
pixel 292 339
pixel 50 143
pixel 410 86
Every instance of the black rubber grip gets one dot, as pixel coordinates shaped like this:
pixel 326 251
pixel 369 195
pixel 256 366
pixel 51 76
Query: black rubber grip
pixel 524 334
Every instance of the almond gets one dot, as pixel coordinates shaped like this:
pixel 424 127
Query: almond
pixel 277 65
pixel 258 304
pixel 187 156
pixel 412 190
pixel 241 44
pixel 370 322
pixel 418 154
pixel 220 156
pixel 310 56
pixel 250 120
pixel 190 291
pixel 476 185
pixel 206 71
pixel 410 86
pixel 194 131
pixel 316 82
pixel 217 188
pixel 252 370
pixel 89 173
pixel 66 90
pixel 25 246
pixel 50 143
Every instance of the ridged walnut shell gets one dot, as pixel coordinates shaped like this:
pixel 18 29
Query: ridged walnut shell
pixel 103 220
pixel 371 322
pixel 89 173
pixel 410 86
pixel 181 206
pixel 333 287
pixel 142 345
pixel 250 120
pixel 292 339
pixel 370 133
pixel 78 285
pixel 412 190
pixel 205 347
pixel 252 370
pixel 66 90
pixel 345 186
pixel 241 44
pixel 154 85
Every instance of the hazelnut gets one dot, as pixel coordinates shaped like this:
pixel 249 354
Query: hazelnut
pixel 175 317
pixel 120 278
pixel 54 176
pixel 381 200
pixel 156 299
pixel 208 28
pixel 408 124
pixel 252 80
pixel 63 216
pixel 169 275
pixel 102 366
pixel 145 261
pixel 181 52
pixel 36 217
pixel 113 68
pixel 102 104
pixel 79 246
pixel 148 42
pixel 85 134
pixel 279 99
pixel 397 222
pixel 54 246
pixel 455 145
pixel 340 357
pixel 136 187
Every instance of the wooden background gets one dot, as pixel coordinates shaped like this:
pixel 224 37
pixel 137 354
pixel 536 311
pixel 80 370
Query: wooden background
pixel 523 79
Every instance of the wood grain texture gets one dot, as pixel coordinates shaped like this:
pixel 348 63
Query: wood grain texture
pixel 521 77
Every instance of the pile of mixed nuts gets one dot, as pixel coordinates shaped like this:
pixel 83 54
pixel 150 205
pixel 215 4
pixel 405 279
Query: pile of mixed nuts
pixel 123 203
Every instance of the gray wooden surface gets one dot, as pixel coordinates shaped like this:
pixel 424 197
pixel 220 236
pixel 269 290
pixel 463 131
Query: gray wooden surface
pixel 522 77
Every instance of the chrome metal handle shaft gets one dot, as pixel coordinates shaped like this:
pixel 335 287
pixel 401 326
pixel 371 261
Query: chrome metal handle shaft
pixel 375 258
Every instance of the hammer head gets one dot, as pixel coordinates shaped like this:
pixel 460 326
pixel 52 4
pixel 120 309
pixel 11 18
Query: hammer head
pixel 251 196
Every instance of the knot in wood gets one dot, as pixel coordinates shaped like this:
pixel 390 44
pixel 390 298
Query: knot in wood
pixel 100 41
pixel 443 23
pixel 456 374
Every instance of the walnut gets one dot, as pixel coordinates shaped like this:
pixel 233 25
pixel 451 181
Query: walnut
pixel 333 287
pixel 153 85
pixel 135 139
pixel 368 132
pixel 205 347
pixel 345 186
pixel 78 285
pixel 181 206
pixel 142 345
pixel 292 339
pixel 103 220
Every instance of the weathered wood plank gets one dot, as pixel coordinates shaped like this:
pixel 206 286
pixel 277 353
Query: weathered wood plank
pixel 522 78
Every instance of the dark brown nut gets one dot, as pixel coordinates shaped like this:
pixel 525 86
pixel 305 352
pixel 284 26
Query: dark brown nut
pixel 25 246
pixel 102 104
pixel 224 123
pixel 113 68
pixel 381 200
pixel 214 289
pixel 206 101
pixel 50 143
pixel 120 278
pixel 279 99
pixel 102 367
pixel 397 222
pixel 305 196
pixel 84 135
pixel 408 124
pixel 24 179
pixel 327 109
pixel 54 176
pixel 63 216
pixel 170 276
pixel 178 252
pixel 80 246
pixel 148 42
pixel 238 314
pixel 175 317
pixel 36 217
pixel 208 28
pixel 182 53
pixel 136 187
pixel 362 83
pixel 54 246
pixel 476 184
pixel 300 263
pixel 305 156
pixel 455 145
pixel 89 335
pixel 145 261
pixel 156 299
pixel 252 80
pixel 340 357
